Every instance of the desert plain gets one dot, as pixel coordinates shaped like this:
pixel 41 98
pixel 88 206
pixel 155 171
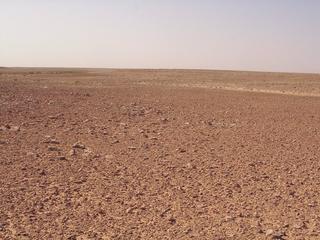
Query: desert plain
pixel 158 154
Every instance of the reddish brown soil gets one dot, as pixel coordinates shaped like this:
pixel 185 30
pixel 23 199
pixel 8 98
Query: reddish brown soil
pixel 158 160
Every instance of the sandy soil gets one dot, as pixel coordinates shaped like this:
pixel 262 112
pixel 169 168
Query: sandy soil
pixel 158 154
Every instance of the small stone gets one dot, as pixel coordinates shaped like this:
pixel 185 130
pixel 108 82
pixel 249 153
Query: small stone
pixel 109 156
pixel 164 120
pixel 72 152
pixel 278 235
pixel 130 209
pixel 181 150
pixel 51 141
pixel 87 152
pixel 132 148
pixel 61 158
pixel 229 218
pixel 30 154
pixel 53 148
pixel 190 166
pixel 269 232
pixel 79 145
pixel 172 220
pixel 298 225
pixel 15 128
pixel 2 142
pixel 115 141
pixel 72 237
pixel 56 116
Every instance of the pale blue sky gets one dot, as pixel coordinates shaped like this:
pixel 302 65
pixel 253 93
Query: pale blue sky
pixel 266 35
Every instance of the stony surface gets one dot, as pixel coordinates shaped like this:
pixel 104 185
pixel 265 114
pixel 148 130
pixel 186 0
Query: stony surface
pixel 107 158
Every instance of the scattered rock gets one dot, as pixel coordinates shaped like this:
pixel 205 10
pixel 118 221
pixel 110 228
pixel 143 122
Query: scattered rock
pixel 87 152
pixel 15 128
pixel 278 236
pixel 130 209
pixel 53 148
pixel 132 148
pixel 58 158
pixel 229 218
pixel 165 212
pixel 181 150
pixel 172 220
pixel 2 142
pixel 164 120
pixel 55 116
pixel 52 141
pixel 72 152
pixel 115 141
pixel 3 128
pixel 80 181
pixel 299 225
pixel 109 156
pixel 79 145
pixel 269 232
pixel 30 154
pixel 11 128
pixel 72 237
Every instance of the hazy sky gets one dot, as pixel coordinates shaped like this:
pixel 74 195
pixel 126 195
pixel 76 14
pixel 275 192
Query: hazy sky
pixel 271 35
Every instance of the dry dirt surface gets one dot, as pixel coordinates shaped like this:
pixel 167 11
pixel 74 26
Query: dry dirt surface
pixel 158 154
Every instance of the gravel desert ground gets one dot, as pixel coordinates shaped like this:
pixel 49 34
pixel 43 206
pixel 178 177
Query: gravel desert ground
pixel 158 154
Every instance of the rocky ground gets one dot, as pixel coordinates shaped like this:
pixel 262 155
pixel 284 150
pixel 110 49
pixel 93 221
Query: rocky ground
pixel 127 155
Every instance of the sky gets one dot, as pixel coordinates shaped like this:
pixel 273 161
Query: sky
pixel 256 35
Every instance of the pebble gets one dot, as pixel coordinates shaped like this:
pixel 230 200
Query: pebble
pixel 269 232
pixel 164 120
pixel 181 150
pixel 72 152
pixel 278 235
pixel 52 141
pixel 109 156
pixel 79 145
pixel 11 128
pixel 172 220
pixel 132 148
pixel 2 142
pixel 299 225
pixel 30 154
pixel 52 148
pixel 15 128
pixel 58 158
pixel 87 152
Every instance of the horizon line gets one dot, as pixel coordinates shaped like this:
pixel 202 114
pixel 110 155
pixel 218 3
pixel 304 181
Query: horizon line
pixel 164 69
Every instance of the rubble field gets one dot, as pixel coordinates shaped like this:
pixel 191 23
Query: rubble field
pixel 158 154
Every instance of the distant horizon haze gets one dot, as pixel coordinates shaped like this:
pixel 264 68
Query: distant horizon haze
pixel 266 35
